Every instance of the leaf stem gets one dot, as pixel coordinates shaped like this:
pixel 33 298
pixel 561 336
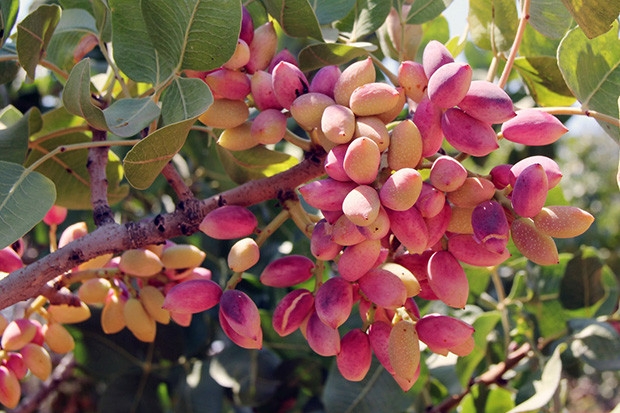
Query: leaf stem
pixel 501 305
pixel 525 17
pixel 559 110
pixel 298 141
pixel 387 72
pixel 270 228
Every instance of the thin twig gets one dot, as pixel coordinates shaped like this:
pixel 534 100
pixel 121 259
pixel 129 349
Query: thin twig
pixel 96 166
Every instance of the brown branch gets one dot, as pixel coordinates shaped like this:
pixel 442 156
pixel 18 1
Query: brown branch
pixel 175 180
pixel 96 165
pixel 29 281
pixel 493 375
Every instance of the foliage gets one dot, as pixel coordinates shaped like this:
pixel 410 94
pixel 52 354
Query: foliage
pixel 128 147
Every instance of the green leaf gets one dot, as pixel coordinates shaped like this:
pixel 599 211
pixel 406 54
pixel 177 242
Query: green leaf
pixel 194 34
pixel 328 11
pixel 536 44
pixel 134 52
pixel 25 198
pixel 14 137
pixel 483 325
pixel 77 98
pixel 550 17
pixel 296 17
pixel 422 11
pixel 98 9
pixel 491 399
pixel 544 80
pixel 8 68
pixel 377 392
pixel 594 18
pixel 8 15
pixel 147 158
pixel 126 117
pixel 581 285
pixel 258 162
pixel 318 55
pixel 591 69
pixel 437 29
pixel 68 170
pixel 185 98
pixel 597 344
pixel 546 386
pixel 369 16
pixel 34 34
pixel 75 26
pixel 493 24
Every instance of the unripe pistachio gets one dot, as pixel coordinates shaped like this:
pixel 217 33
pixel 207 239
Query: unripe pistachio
pixel 243 255
pixel 379 228
pixel 472 192
pixel 532 243
pixel 401 190
pixel 69 314
pixel 56 215
pixel 229 222
pixel 404 350
pixel 138 320
pixel 443 333
pixel 10 260
pixel 487 102
pixel 262 91
pixel 334 163
pixel 379 337
pixel 238 138
pixel 405 147
pixel 529 193
pixel 434 56
pixel 38 360
pixel 288 83
pixel 153 300
pixel 326 194
pixel 287 271
pixel 412 285
pixel 355 356
pixel 307 109
pixel 338 123
pixel 240 57
pixel 291 311
pixel 356 260
pixel 262 47
pixel 355 75
pixel 412 78
pixel 427 118
pixel 322 246
pixel 389 115
pixel 410 229
pixel 333 301
pixel 533 127
pixel 554 175
pixel 57 338
pixel 361 205
pixel 559 221
pixel 447 174
pixel 269 127
pixel 140 263
pixel 323 339
pixel 383 288
pixel 95 263
pixel 373 98
pixel 18 333
pixel 466 249
pixel 228 84
pixel 247 26
pixel 460 220
pixel 182 256
pixel 490 226
pixel 192 296
pixel 345 232
pixel 468 134
pixel 449 84
pixel 447 279
pixel 240 319
pixel 362 159
pixel 10 389
pixel 325 79
pixel 372 127
pixel 72 232
pixel 225 114
pixel 94 290
pixel 112 316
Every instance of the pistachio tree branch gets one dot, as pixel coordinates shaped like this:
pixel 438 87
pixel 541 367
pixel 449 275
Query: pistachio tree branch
pixel 96 166
pixel 114 238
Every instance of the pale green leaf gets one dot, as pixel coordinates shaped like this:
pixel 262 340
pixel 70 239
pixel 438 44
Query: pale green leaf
pixel 185 98
pixel 126 117
pixel 68 169
pixel 8 68
pixel 77 98
pixel 483 325
pixel 423 11
pixel 544 80
pixel 74 27
pixel 296 17
pixel 134 52
pixel 193 34
pixel 34 34
pixel 8 15
pixel 535 43
pixel 591 69
pixel 597 344
pixel 14 138
pixel 258 162
pixel 550 17
pixel 318 55
pixel 493 24
pixel 328 11
pixel 147 158
pixel 98 9
pixel 594 17
pixel 369 16
pixel 546 386
pixel 25 198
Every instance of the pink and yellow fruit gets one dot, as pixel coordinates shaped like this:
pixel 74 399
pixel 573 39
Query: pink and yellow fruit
pixel 18 333
pixel 112 316
pixel 434 56
pixel 533 127
pixel 338 123
pixel 244 254
pixel 322 339
pixel 374 128
pixel 269 127
pixel 466 249
pixel 563 221
pixel 529 192
pixel 287 271
pixel 412 78
pixel 192 296
pixel 58 338
pixel 288 83
pixel 449 84
pixel 409 228
pixel 447 174
pixel 490 226
pixel 405 147
pixel 472 192
pixel 468 134
pixel 373 98
pixel 138 320
pixel 69 314
pixel 361 205
pixel 308 109
pixel 404 350
pixel 229 222
pixel 333 301
pixel 240 57
pixel 182 256
pixel 443 334
pixel 355 356
pixel 262 91
pixel 291 311
pixel 38 360
pixel 345 232
pixel 401 190
pixel 238 138
pixel 152 300
pixel 487 102
pixel 262 47
pixel 354 76
pixel 447 279
pixel 225 114
pixel 533 243
pixel 10 389
pixel 383 288
pixel 362 159
pixel 322 246
pixel 240 314
pixel 140 263
pixel 412 285
pixel 327 194
pixel 428 119
pixel 228 84
pixel 356 260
